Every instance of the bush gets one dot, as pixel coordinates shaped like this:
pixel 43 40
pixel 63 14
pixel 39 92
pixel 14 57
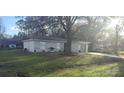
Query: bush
pixel 52 48
pixel 22 74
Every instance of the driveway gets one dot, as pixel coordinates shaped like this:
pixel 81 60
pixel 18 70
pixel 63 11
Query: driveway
pixel 108 55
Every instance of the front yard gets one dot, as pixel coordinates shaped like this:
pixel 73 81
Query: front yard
pixel 19 63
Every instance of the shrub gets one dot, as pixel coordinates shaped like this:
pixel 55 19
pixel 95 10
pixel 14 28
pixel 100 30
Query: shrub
pixel 22 74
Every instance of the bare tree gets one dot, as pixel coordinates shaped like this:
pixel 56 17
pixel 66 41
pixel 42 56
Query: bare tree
pixel 119 25
pixel 2 29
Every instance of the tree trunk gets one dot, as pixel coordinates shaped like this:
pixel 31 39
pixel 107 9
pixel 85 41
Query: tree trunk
pixel 68 44
pixel 67 26
pixel 68 47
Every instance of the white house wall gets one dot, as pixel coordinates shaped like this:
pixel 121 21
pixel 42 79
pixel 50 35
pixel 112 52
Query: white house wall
pixel 37 46
pixel 26 45
pixel 86 50
pixel 57 46
pixel 62 47
pixel 79 47
pixel 75 47
pixel 40 46
pixel 29 45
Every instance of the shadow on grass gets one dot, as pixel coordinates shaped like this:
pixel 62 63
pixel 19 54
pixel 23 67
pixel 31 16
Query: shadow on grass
pixel 70 63
pixel 24 64
pixel 120 72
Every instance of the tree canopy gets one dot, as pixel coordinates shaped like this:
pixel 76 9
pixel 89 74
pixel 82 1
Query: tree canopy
pixel 86 28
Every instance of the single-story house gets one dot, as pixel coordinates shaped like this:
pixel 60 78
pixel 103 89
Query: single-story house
pixel 10 43
pixel 53 45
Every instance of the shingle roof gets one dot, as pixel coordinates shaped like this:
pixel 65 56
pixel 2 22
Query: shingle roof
pixel 52 38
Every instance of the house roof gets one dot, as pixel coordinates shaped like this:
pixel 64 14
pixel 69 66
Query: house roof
pixel 45 40
pixel 54 40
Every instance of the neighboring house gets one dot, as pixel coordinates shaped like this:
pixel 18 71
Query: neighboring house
pixel 53 45
pixel 10 43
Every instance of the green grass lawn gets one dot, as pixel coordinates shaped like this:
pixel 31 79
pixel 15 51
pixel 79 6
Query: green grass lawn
pixel 121 53
pixel 19 63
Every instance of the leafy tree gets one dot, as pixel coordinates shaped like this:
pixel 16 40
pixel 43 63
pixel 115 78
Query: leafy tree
pixel 20 36
pixel 37 26
pixel 84 28
pixel 33 26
